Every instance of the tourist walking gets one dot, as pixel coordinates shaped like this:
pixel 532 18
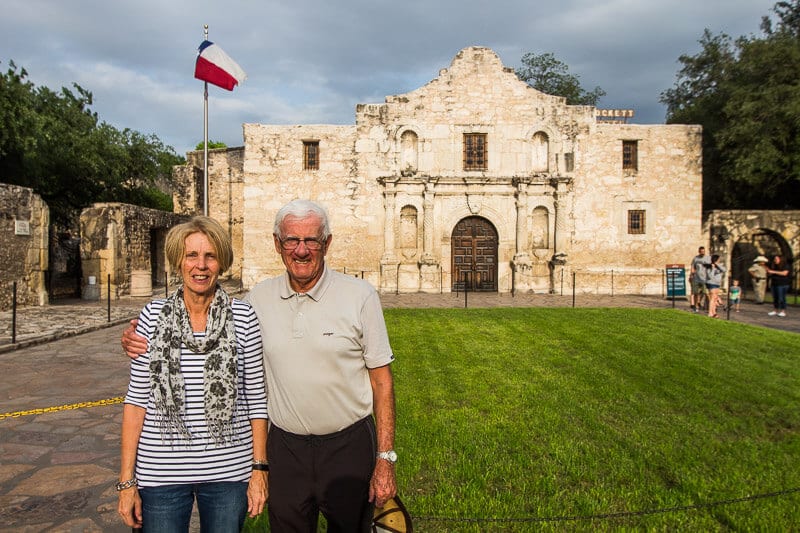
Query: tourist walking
pixel 714 277
pixel 779 280
pixel 697 280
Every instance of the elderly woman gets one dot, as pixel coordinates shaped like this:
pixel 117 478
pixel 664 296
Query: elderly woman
pixel 194 420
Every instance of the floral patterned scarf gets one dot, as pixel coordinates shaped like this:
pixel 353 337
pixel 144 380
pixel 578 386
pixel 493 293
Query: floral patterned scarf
pixel 174 329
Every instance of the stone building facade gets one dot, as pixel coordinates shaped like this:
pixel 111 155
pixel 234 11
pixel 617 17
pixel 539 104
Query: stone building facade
pixel 24 234
pixel 474 180
pixel 122 249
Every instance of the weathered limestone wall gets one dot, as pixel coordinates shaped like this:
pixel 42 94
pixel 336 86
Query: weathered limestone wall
pixel 225 192
pixel 667 186
pixel 118 240
pixel 274 175
pixel 24 233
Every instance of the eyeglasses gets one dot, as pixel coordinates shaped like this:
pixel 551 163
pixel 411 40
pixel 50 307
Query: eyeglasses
pixel 291 243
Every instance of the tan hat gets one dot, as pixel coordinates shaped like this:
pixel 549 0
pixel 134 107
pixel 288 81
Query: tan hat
pixel 760 259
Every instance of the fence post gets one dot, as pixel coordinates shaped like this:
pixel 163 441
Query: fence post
pixel 573 288
pixel 108 297
pixel 14 313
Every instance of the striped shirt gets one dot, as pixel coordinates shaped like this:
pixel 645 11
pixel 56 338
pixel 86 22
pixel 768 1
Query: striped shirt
pixel 171 459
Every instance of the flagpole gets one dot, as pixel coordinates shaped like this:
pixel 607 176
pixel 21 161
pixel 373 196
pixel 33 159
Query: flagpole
pixel 205 138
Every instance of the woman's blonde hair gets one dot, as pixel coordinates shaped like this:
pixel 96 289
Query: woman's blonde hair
pixel 175 245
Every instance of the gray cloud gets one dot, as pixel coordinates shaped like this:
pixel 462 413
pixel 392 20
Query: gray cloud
pixel 312 62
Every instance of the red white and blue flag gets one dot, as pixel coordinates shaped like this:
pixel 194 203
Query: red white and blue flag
pixel 215 66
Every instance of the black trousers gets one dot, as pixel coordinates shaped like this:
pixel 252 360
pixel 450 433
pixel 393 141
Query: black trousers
pixel 330 474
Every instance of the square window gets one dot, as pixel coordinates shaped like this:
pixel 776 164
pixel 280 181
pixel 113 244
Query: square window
pixel 475 151
pixel 310 155
pixel 630 155
pixel 636 222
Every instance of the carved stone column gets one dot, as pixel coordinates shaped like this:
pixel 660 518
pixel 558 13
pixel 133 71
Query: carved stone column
pixel 389 262
pixel 430 275
pixel 427 224
pixel 521 266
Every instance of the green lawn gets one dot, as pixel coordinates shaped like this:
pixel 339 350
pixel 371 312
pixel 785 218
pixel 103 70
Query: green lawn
pixel 587 419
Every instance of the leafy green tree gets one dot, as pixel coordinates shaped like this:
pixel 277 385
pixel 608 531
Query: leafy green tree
pixel 53 143
pixel 547 74
pixel 211 145
pixel 746 95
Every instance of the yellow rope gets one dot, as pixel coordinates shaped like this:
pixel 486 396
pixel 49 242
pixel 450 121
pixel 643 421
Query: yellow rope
pixel 81 405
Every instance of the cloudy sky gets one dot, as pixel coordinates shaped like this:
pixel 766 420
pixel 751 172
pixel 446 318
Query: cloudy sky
pixel 312 61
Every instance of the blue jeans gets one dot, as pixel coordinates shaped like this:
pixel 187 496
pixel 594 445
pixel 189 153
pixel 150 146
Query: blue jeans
pixel 167 509
pixel 779 296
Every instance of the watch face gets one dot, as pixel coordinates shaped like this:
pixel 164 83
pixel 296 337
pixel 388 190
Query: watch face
pixel 392 456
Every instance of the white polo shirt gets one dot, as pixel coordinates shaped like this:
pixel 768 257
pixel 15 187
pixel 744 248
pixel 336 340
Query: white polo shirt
pixel 317 349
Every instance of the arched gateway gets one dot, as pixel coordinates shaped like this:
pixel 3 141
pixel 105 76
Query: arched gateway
pixel 474 259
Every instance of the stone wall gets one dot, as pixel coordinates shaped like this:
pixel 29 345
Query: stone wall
pixel 24 233
pixel 225 191
pixel 123 245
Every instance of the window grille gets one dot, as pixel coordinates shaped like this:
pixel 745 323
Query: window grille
pixel 630 155
pixel 475 151
pixel 636 222
pixel 310 155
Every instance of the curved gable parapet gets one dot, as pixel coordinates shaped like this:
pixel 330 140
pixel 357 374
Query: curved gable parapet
pixel 478 88
pixel 473 64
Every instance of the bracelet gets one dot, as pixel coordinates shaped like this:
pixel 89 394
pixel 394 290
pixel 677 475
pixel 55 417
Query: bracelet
pixel 124 485
pixel 261 465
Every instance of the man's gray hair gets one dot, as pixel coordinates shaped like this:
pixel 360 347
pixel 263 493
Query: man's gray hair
pixel 302 209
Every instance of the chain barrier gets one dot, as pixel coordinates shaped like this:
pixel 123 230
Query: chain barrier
pixel 605 516
pixel 81 405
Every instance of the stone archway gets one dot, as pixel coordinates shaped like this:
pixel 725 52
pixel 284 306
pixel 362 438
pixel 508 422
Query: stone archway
pixel 749 246
pixel 474 257
pixel 739 236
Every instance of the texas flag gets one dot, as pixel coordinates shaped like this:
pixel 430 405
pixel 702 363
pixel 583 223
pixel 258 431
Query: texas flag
pixel 215 66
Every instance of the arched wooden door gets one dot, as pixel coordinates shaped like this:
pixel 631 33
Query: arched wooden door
pixel 474 257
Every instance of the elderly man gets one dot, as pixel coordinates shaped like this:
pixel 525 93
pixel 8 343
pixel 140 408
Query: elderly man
pixel 758 274
pixel 331 393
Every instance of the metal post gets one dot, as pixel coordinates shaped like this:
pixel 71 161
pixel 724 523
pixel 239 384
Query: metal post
pixel 466 290
pixel 14 313
pixel 728 299
pixel 108 297
pixel 573 288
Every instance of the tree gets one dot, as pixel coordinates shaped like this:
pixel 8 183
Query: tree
pixel 547 74
pixel 746 95
pixel 211 145
pixel 53 143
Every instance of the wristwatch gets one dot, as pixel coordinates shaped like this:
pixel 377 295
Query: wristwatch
pixel 390 456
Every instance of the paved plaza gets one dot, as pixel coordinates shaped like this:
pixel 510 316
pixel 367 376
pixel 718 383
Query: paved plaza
pixel 61 388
